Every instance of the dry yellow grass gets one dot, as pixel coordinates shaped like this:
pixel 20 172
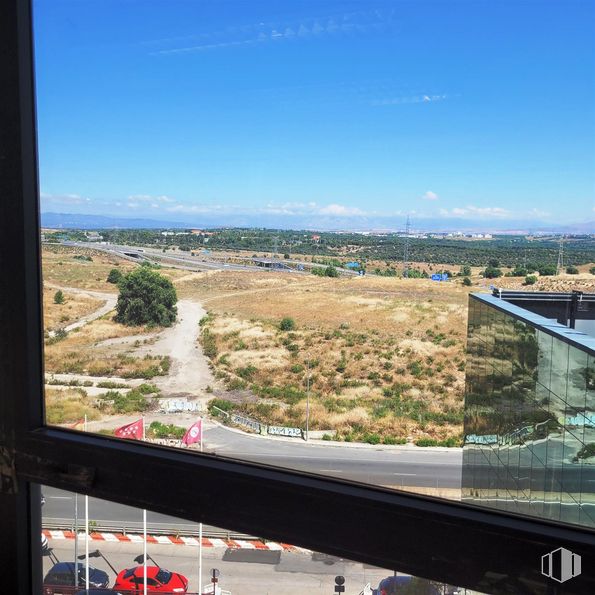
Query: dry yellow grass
pixel 75 306
pixel 386 354
pixel 68 406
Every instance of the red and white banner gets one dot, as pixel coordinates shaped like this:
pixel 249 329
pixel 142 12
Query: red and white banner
pixel 134 431
pixel 193 433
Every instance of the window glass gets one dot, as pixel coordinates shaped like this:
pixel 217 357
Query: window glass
pixel 246 564
pixel 270 232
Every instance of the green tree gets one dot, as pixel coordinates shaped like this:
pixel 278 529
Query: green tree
pixel 467 282
pixel 465 271
pixel 494 263
pixel 530 280
pixel 547 270
pixel 59 297
pixel 592 270
pixel 287 324
pixel 115 276
pixel 571 270
pixel 492 273
pixel 146 297
pixel 331 271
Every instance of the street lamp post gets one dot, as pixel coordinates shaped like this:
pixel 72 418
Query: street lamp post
pixel 308 400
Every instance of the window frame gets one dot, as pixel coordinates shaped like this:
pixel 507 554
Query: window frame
pixel 447 541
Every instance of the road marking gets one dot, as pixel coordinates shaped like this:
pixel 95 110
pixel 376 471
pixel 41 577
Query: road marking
pixel 330 470
pixel 59 497
pixel 404 473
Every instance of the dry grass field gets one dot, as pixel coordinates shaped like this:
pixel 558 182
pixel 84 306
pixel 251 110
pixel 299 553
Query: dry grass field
pixel 385 356
pixel 75 306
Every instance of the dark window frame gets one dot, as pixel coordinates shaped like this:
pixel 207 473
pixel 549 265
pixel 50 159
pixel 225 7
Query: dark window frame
pixel 451 542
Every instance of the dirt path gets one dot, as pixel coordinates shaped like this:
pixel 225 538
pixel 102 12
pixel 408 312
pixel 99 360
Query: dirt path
pixel 189 374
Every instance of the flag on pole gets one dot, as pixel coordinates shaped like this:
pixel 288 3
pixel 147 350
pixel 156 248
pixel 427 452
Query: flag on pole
pixel 133 431
pixel 193 433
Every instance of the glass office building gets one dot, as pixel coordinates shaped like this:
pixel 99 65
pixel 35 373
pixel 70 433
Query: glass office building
pixel 530 405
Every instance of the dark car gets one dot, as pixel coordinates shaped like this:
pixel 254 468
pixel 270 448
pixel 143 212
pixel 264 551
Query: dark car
pixel 60 579
pixel 408 585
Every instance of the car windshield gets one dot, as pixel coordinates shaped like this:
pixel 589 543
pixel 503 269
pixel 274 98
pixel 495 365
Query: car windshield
pixel 163 576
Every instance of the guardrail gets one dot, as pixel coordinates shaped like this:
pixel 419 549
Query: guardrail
pixel 124 527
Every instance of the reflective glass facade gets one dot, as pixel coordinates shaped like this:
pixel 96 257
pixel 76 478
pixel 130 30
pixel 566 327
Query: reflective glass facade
pixel 529 414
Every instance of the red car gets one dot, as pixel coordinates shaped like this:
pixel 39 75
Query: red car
pixel 159 580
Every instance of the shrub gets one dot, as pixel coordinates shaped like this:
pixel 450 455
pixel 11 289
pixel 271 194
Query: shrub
pixel 209 345
pixel 59 297
pixel 467 282
pixel 246 372
pixel 296 368
pixel 571 270
pixel 287 324
pixel 115 276
pixel 372 438
pixel 159 430
pixel 393 440
pixel 426 442
pixel 592 270
pixel 222 404
pixel 327 437
pixel 530 280
pixel 492 273
pixel 146 297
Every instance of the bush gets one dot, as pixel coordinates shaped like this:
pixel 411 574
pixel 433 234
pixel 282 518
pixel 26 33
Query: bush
pixel 146 297
pixel 372 438
pixel 287 324
pixel 492 273
pixel 159 430
pixel 393 440
pixel 426 442
pixel 115 276
pixel 222 404
pixel 467 282
pixel 571 270
pixel 592 270
pixel 59 297
pixel 547 270
pixel 530 280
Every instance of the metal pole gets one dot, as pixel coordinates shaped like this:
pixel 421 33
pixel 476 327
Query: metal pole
pixel 86 532
pixel 76 539
pixel 144 531
pixel 200 534
pixel 308 401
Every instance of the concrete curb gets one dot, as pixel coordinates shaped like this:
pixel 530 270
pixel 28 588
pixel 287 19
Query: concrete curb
pixel 173 540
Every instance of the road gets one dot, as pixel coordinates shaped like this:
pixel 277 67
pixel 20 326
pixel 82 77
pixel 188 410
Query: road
pixel 397 467
pixel 243 572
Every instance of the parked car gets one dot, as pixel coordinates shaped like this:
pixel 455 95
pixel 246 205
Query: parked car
pixel 159 580
pixel 409 585
pixel 98 592
pixel 62 575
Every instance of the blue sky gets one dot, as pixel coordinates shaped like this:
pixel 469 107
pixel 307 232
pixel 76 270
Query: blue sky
pixel 310 111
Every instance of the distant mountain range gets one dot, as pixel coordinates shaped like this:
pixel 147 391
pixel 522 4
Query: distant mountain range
pixel 319 223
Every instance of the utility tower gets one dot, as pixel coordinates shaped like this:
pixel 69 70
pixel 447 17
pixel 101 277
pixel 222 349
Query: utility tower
pixel 560 265
pixel 406 249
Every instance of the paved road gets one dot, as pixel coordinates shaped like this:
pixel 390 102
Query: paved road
pixel 291 573
pixel 395 467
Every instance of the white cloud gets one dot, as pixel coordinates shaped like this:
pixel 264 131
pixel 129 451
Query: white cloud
pixel 429 195
pixel 64 199
pixel 340 210
pixel 409 99
pixel 471 211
